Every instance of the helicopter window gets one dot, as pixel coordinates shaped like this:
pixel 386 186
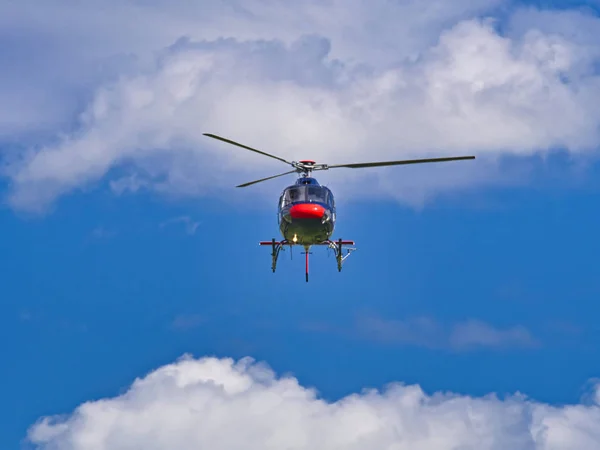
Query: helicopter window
pixel 328 197
pixel 295 194
pixel 316 194
pixel 307 193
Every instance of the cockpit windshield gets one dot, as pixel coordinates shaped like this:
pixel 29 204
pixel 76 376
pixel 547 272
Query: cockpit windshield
pixel 317 194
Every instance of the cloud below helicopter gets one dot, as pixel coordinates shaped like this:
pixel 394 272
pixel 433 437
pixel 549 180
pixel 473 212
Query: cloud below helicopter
pixel 427 332
pixel 459 87
pixel 195 403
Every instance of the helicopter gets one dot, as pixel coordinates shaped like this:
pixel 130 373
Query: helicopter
pixel 306 210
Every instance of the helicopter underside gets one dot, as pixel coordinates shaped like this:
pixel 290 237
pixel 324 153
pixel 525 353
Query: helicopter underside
pixel 336 246
pixel 306 231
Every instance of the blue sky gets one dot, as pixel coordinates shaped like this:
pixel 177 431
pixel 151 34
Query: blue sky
pixel 127 246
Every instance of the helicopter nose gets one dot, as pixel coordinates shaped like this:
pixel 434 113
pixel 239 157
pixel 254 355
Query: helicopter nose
pixel 307 211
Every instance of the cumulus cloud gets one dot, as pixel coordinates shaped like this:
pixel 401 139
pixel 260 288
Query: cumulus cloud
pixel 55 51
pixel 333 81
pixel 225 404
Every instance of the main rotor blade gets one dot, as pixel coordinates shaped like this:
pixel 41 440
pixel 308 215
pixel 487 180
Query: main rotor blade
pixel 244 146
pixel 265 179
pixel 396 163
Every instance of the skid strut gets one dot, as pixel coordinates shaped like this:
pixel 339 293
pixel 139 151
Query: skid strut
pixel 337 250
pixel 276 247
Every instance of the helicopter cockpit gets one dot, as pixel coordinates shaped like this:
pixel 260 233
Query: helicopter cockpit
pixel 308 194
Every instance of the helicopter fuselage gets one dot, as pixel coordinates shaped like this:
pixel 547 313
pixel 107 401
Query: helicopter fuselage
pixel 306 212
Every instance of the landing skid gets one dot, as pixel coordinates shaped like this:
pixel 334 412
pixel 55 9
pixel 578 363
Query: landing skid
pixel 336 246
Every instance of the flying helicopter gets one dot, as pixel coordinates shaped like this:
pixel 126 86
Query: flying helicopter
pixel 306 209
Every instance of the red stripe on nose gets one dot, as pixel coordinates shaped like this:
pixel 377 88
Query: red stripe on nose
pixel 307 211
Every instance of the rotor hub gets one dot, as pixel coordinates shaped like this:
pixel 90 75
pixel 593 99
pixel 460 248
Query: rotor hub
pixel 306 166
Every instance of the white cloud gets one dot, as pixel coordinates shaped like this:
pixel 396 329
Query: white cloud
pixel 423 331
pixel 223 404
pixel 475 333
pixel 190 225
pixel 54 51
pixel 101 232
pixel 335 81
pixel 187 321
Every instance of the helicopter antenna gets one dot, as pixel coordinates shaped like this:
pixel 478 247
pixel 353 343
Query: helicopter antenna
pixel 306 167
